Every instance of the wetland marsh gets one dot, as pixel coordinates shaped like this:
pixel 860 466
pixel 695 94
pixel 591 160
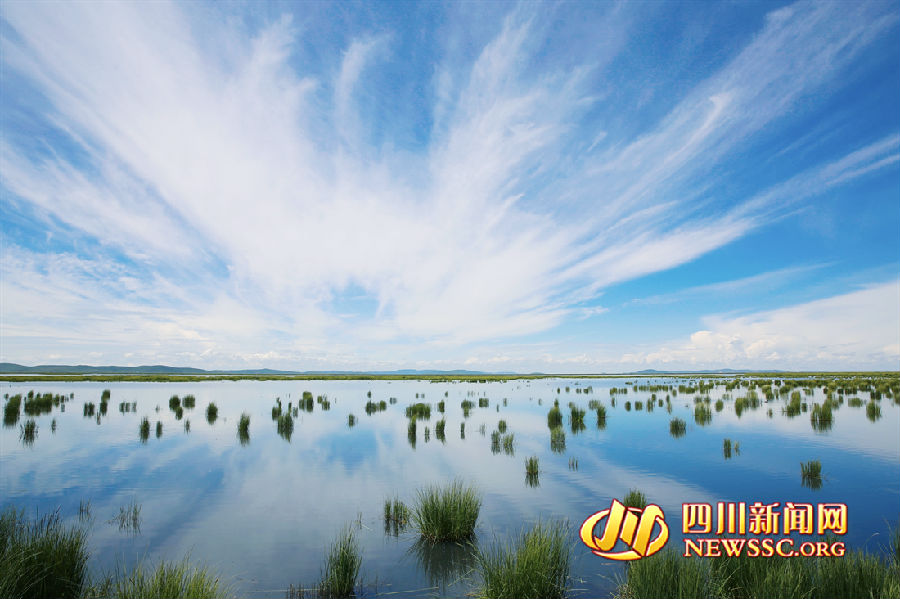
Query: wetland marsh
pixel 256 479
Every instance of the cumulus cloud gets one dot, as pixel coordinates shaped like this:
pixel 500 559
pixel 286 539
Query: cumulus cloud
pixel 856 330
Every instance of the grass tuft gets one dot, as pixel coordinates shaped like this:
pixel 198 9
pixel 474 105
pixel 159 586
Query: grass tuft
pixel 677 427
pixel 244 428
pixel 41 557
pixel 811 474
pixel 447 513
pixel 342 562
pixel 536 565
pixel 635 498
pixel 176 580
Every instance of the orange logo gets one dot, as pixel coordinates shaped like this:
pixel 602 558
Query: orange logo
pixel 631 525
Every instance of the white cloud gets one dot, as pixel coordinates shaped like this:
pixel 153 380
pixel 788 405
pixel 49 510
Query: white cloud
pixel 856 330
pixel 246 187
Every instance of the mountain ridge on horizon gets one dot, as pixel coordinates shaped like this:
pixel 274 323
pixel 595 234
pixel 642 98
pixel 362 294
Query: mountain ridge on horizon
pixel 13 368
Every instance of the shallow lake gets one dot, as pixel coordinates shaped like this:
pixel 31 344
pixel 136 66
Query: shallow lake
pixel 262 511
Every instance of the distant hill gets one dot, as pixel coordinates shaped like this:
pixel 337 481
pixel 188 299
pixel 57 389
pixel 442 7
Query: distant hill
pixel 10 368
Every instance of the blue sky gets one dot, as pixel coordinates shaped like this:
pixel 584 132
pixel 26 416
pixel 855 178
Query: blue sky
pixel 569 187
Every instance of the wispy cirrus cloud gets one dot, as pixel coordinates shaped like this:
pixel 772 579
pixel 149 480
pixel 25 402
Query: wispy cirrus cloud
pixel 252 184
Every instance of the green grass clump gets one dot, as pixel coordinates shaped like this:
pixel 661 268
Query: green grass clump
pixel 411 433
pixel 576 419
pixel 180 580
pixel 41 557
pixel 189 402
pixel 601 416
pixel 531 465
pixel 635 498
pixel 466 406
pixel 501 426
pixel 39 404
pixel 447 513
pixel 212 412
pixel 484 402
pixel 342 562
pixel 668 574
pixel 536 565
pixel 439 430
pixel 726 448
pixel 174 403
pixel 554 416
pixel 419 410
pixel 811 474
pixel 145 429
pixel 873 411
pixel 28 431
pixel 557 440
pixel 702 414
pixel 820 417
pixel 158 429
pixel 11 410
pixel 677 427
pixel 396 516
pixel 285 425
pixel 244 428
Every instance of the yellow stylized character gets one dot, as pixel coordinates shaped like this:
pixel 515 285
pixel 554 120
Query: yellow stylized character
pixel 833 517
pixel 633 526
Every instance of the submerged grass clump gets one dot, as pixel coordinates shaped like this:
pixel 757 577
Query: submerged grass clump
pixel 635 498
pixel 702 414
pixel 554 416
pixel 128 518
pixel 284 424
pixel 811 474
pixel 419 411
pixel 243 428
pixel 557 440
pixel 820 417
pixel 342 562
pixel 11 410
pixel 41 557
pixel 447 513
pixel 531 466
pixel 28 432
pixel 576 419
pixel 873 411
pixel 536 565
pixel 677 427
pixel 179 580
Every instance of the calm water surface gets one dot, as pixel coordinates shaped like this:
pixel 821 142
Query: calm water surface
pixel 262 513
